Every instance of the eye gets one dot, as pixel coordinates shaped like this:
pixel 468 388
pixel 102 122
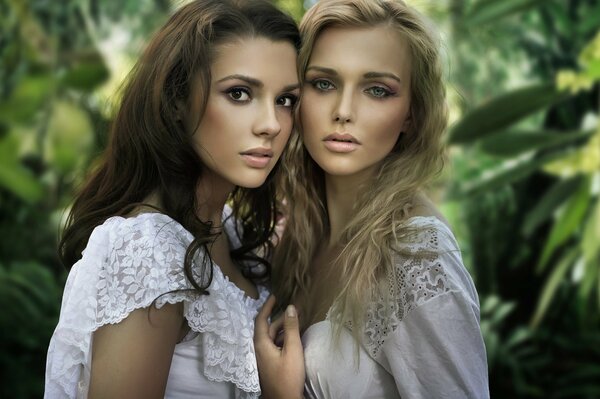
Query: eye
pixel 238 94
pixel 322 85
pixel 378 92
pixel 287 100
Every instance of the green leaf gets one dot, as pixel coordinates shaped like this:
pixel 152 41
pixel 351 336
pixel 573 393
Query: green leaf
pixel 15 177
pixel 567 222
pixel 518 337
pixel 508 144
pixel 504 111
pixel 592 70
pixel 551 200
pixel 589 278
pixel 507 175
pixel 590 243
pixel 501 312
pixel 553 282
pixel 69 137
pixel 492 10
pixel 26 99
pixel 87 73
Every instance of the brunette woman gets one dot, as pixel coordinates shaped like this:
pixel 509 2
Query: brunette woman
pixel 165 278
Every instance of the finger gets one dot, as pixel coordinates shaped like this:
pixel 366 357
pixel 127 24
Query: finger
pixel 261 323
pixel 276 327
pixel 291 330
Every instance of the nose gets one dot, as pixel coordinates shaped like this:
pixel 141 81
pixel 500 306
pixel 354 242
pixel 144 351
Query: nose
pixel 267 124
pixel 343 112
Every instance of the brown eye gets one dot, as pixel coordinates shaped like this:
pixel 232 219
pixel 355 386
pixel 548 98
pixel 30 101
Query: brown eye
pixel 287 101
pixel 238 94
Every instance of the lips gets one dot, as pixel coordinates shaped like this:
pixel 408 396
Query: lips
pixel 341 143
pixel 342 137
pixel 257 158
pixel 259 152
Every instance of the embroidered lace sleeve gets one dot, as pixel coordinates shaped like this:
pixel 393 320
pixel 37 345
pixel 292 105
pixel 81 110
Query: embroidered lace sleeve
pixel 134 263
pixel 432 345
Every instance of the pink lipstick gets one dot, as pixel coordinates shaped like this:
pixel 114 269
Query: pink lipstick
pixel 257 157
pixel 341 142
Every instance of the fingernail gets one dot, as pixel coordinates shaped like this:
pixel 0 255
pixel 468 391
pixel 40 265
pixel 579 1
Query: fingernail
pixel 290 311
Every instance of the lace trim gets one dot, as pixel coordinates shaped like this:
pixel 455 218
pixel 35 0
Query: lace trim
pixel 417 280
pixel 127 265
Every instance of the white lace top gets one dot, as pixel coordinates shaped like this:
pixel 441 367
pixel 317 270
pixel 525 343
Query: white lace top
pixel 128 264
pixel 430 348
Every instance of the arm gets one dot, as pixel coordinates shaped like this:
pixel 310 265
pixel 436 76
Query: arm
pixel 281 370
pixel 131 359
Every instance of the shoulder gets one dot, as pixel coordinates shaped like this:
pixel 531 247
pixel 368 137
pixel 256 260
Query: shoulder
pixel 138 228
pixel 147 236
pixel 127 264
pixel 427 263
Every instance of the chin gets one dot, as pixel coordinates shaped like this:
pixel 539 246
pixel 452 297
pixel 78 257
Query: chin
pixel 252 179
pixel 337 167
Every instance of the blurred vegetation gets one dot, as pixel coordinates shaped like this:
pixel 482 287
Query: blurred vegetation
pixel 522 193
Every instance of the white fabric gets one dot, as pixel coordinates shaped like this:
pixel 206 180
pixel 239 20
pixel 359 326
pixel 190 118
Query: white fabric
pixel 131 262
pixel 431 346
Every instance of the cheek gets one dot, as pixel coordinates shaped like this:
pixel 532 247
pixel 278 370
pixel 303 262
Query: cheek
pixel 286 122
pixel 210 132
pixel 388 123
pixel 312 114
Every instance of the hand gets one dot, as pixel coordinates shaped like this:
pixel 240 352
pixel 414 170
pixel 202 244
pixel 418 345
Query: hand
pixel 281 369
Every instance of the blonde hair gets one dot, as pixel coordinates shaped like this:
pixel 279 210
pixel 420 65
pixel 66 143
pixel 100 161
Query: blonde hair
pixel 370 238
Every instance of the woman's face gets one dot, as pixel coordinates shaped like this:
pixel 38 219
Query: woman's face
pixel 249 113
pixel 356 98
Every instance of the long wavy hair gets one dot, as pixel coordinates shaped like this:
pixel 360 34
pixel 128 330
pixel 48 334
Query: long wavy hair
pixel 151 153
pixel 378 224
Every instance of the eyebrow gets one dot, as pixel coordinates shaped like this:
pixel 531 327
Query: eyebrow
pixel 247 79
pixel 295 86
pixel 368 75
pixel 256 82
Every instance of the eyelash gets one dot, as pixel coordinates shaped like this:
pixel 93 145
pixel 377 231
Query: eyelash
pixel 293 98
pixel 315 83
pixel 386 92
pixel 232 90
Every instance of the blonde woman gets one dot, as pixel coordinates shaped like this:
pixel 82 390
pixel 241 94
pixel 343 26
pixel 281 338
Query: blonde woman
pixel 384 304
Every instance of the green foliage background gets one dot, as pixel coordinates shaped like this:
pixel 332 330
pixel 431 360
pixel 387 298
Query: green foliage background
pixel 521 193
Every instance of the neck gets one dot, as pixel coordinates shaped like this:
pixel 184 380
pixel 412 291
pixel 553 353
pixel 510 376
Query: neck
pixel 342 193
pixel 212 193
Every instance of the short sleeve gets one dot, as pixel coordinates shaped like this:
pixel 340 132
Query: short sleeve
pixel 437 351
pixel 128 264
pixel 432 345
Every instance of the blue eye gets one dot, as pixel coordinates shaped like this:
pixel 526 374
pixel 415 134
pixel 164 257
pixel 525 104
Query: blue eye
pixel 378 92
pixel 287 101
pixel 322 85
pixel 238 94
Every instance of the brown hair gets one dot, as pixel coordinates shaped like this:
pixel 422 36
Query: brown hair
pixel 150 152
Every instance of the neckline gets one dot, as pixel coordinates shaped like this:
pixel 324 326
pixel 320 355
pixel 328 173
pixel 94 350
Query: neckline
pixel 411 220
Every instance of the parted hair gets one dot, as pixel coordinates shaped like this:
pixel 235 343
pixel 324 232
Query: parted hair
pixel 378 224
pixel 151 153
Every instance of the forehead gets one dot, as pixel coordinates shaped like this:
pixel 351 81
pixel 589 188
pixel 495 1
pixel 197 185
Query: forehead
pixel 257 57
pixel 366 49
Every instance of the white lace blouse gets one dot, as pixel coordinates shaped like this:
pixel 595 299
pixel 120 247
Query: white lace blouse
pixel 431 348
pixel 131 262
